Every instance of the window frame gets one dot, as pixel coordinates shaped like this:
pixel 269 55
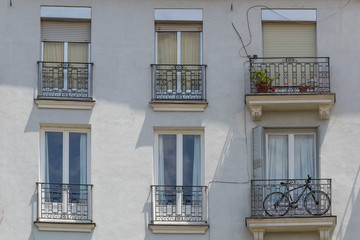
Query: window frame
pixel 65 151
pixel 291 133
pixel 179 153
pixel 178 46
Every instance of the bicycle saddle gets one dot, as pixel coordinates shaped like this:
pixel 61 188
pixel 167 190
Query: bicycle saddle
pixel 285 183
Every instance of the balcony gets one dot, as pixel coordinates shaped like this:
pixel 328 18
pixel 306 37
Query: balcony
pixel 64 207
pixel 297 84
pixel 64 85
pixel 179 209
pixel 284 206
pixel 178 87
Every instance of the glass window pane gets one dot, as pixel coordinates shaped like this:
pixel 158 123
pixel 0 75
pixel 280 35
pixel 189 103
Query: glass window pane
pixel 77 158
pixel 53 51
pixel 53 157
pixel 191 160
pixel 278 157
pixel 304 151
pixel 190 47
pixel 167 48
pixel 167 159
pixel 78 52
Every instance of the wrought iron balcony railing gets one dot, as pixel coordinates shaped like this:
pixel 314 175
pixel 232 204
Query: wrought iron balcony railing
pixel 65 80
pixel 179 204
pixel 285 198
pixel 178 82
pixel 294 74
pixel 64 202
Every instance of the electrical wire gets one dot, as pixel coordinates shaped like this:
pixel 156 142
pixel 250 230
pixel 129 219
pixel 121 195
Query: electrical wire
pixel 273 10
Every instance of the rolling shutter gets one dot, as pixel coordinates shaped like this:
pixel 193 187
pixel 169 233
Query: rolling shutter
pixel 258 153
pixel 178 27
pixel 66 31
pixel 284 39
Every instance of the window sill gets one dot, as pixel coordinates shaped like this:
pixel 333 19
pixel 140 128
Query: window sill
pixel 172 106
pixel 259 103
pixel 323 225
pixel 65 104
pixel 186 228
pixel 65 226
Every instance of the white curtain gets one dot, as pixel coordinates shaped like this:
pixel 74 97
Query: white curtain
pixel 278 157
pixel 161 161
pixel 83 158
pixel 197 162
pixel 47 178
pixel 304 156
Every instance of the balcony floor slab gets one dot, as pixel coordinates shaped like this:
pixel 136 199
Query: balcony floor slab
pixel 65 104
pixel 259 103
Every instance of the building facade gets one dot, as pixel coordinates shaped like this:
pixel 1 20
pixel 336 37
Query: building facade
pixel 179 120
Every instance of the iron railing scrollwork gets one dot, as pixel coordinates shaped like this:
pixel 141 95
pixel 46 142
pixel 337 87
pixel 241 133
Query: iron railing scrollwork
pixel 64 202
pixel 173 204
pixel 178 82
pixel 65 80
pixel 294 74
pixel 296 204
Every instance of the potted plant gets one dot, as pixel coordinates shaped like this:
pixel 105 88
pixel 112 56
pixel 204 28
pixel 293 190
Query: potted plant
pixel 303 88
pixel 260 78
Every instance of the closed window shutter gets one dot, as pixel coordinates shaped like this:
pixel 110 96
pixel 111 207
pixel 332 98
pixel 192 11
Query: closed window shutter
pixel 66 31
pixel 258 153
pixel 285 39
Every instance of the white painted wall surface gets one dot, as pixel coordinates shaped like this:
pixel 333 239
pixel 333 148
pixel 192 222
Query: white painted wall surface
pixel 122 121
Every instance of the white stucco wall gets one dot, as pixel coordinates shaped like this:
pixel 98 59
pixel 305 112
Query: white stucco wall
pixel 122 121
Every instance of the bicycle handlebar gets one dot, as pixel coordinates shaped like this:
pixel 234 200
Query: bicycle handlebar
pixel 309 179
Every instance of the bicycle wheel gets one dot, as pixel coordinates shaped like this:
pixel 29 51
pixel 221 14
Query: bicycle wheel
pixel 317 202
pixel 276 204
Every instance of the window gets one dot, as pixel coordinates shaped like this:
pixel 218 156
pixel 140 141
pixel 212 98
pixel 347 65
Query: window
pixel 178 194
pixel 179 159
pixel 66 156
pixel 179 43
pixel 285 153
pixel 65 42
pixel 64 192
pixel 65 67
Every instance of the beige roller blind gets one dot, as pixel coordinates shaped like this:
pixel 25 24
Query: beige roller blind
pixel 66 31
pixel 178 27
pixel 285 39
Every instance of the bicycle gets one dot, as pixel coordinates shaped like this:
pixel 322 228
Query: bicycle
pixel 316 202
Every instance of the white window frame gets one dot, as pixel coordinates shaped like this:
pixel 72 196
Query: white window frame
pixel 65 132
pixel 291 148
pixel 179 153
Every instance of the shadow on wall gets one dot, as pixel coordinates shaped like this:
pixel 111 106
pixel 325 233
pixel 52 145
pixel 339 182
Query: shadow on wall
pixel 38 116
pixel 233 162
pixel 36 234
pixel 349 225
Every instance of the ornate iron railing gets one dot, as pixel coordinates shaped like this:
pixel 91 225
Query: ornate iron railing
pixel 65 80
pixel 64 202
pixel 294 74
pixel 263 204
pixel 178 82
pixel 174 204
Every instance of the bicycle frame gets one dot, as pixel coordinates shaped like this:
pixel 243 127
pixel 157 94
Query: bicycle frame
pixel 296 200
